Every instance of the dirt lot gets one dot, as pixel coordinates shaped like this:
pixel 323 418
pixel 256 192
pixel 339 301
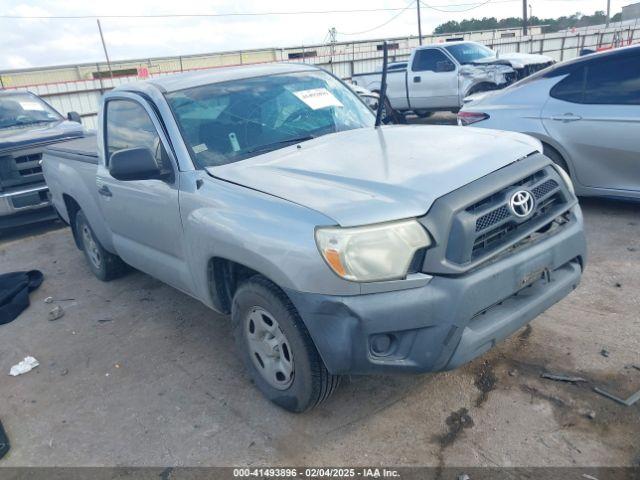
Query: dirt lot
pixel 137 373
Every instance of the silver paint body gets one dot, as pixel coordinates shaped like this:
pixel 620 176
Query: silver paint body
pixel 262 212
pixel 599 143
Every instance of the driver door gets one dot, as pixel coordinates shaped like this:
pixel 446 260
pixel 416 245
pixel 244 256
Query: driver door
pixel 143 215
pixel 432 80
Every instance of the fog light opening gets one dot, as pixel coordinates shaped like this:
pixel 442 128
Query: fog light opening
pixel 382 344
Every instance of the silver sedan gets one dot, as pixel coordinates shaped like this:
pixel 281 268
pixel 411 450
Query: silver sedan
pixel 586 113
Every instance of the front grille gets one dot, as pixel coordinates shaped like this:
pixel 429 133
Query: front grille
pixel 21 168
pixel 489 224
pixel 28 164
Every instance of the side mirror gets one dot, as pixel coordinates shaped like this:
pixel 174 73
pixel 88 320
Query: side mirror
pixel 445 66
pixel 134 164
pixel 74 117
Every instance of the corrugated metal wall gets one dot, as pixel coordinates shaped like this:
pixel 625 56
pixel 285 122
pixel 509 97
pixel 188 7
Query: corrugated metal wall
pixel 76 89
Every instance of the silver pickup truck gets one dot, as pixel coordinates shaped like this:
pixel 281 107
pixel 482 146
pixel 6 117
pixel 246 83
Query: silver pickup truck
pixel 267 193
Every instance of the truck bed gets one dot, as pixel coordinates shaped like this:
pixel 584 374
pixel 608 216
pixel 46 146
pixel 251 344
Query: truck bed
pixel 82 150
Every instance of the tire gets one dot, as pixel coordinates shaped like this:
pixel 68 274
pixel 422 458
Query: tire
pixel 391 115
pixel 104 265
pixel 555 156
pixel 277 349
pixel 423 113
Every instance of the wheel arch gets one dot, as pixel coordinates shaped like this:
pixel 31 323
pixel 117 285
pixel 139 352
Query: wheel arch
pixel 72 208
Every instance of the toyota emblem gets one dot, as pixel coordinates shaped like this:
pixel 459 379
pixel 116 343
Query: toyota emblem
pixel 521 203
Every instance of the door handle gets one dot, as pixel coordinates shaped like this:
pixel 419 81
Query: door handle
pixel 417 79
pixel 567 117
pixel 104 191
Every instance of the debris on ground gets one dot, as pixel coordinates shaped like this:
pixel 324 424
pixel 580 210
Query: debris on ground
pixel 64 372
pixel 26 365
pixel 604 352
pixel 485 382
pixel 56 313
pixel 4 442
pixel 513 373
pixel 105 320
pixel 618 285
pixel 457 422
pixel 48 300
pixel 562 378
pixel 627 403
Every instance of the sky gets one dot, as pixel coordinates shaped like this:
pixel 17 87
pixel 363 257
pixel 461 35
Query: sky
pixel 28 43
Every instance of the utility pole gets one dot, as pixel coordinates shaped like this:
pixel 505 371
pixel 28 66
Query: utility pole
pixel 524 17
pixel 104 47
pixel 333 39
pixel 608 12
pixel 419 23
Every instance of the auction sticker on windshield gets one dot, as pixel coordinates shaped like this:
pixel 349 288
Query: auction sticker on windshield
pixel 318 98
pixel 31 106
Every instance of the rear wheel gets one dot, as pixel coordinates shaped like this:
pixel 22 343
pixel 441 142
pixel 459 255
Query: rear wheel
pixel 277 349
pixel 104 265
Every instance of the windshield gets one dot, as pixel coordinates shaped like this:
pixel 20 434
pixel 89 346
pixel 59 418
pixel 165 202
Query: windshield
pixel 469 52
pixel 25 109
pixel 227 122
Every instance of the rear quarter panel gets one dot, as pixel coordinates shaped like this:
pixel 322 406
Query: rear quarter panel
pixel 77 180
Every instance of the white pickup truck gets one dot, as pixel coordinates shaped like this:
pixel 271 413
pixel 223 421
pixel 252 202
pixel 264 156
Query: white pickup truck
pixel 439 76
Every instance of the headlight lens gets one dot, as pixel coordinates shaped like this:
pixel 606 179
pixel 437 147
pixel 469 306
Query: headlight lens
pixel 565 176
pixel 374 252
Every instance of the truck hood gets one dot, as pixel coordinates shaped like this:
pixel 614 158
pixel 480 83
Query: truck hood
pixel 28 135
pixel 369 175
pixel 515 60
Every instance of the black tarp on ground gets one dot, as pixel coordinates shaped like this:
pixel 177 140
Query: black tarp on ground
pixel 14 292
pixel 4 442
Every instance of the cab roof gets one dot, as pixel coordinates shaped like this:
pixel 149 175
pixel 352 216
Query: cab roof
pixel 180 81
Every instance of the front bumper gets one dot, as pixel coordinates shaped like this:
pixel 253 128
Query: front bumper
pixel 451 320
pixel 24 205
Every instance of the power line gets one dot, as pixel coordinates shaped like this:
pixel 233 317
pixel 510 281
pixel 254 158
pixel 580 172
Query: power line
pixel 382 24
pixel 474 6
pixel 191 15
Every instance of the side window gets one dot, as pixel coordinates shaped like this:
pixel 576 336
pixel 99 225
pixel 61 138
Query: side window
pixel 129 126
pixel 428 59
pixel 613 81
pixel 570 88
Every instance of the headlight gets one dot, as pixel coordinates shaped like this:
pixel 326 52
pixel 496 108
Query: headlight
pixel 565 176
pixel 374 252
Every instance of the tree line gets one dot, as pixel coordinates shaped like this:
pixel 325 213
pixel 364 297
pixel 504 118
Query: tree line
pixel 552 24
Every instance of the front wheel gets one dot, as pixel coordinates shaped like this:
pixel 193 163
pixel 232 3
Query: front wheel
pixel 277 349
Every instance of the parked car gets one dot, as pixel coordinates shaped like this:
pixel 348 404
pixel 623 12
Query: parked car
pixel 369 97
pixel 585 111
pixel 27 125
pixel 440 76
pixel 267 193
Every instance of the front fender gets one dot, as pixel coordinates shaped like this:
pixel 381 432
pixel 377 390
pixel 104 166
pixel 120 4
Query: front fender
pixel 272 236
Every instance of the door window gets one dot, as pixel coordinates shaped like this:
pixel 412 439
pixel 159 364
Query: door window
pixel 614 81
pixel 607 81
pixel 129 126
pixel 571 88
pixel 427 60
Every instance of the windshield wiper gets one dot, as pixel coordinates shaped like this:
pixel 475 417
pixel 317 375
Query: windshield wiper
pixel 275 145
